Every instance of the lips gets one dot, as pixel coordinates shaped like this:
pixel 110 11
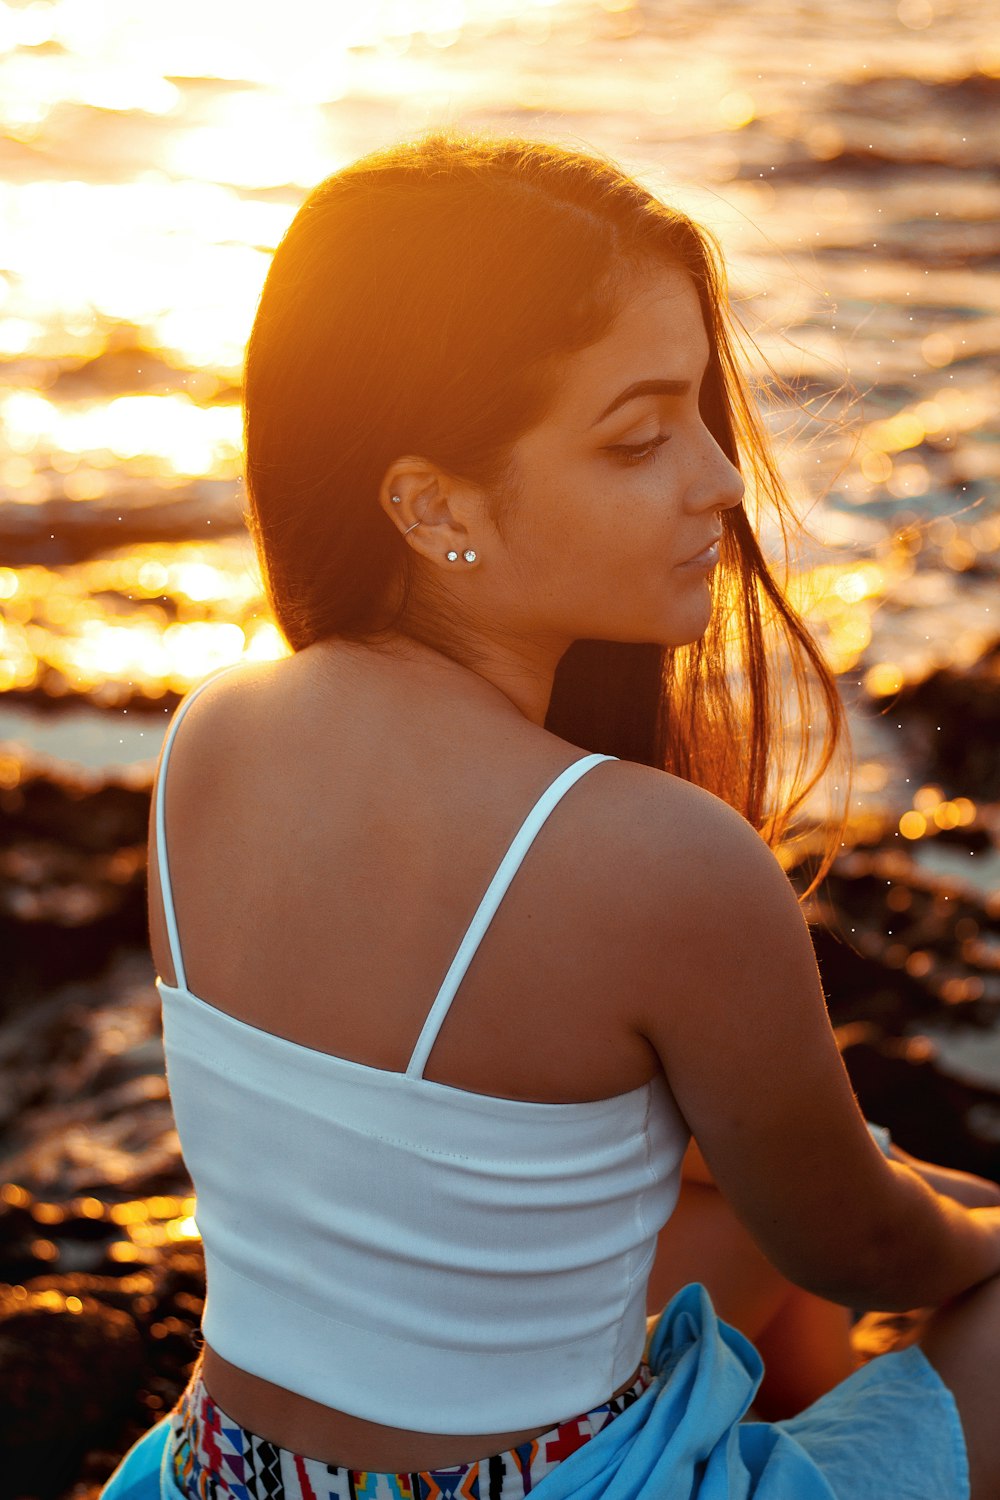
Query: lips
pixel 706 552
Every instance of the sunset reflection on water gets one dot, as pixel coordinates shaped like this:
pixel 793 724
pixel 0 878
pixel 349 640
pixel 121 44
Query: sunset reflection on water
pixel 151 159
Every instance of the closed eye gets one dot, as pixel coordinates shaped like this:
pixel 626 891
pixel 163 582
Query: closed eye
pixel 635 453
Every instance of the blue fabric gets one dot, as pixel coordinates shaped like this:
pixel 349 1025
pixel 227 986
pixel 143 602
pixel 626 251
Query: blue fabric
pixel 892 1428
pixel 146 1473
pixel 901 1416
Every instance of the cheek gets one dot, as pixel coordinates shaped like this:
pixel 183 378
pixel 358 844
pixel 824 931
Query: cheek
pixel 586 516
pixel 562 506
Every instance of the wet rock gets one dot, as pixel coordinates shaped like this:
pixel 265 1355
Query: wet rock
pixel 83 1097
pixel 123 366
pixel 895 942
pixel 908 959
pixel 134 1155
pixel 899 1084
pixel 140 1335
pixel 77 813
pixel 61 530
pixel 72 879
pixel 68 1369
pixel 954 719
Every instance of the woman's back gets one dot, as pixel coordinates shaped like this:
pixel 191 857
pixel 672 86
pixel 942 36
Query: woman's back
pixel 294 780
pixel 493 407
pixel 332 821
pixel 252 767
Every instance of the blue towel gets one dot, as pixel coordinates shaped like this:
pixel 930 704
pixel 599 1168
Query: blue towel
pixel 892 1428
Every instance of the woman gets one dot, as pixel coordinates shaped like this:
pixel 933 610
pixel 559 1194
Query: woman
pixel 495 442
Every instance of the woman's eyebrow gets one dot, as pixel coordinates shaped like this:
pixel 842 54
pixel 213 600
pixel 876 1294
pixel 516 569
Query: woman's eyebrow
pixel 645 388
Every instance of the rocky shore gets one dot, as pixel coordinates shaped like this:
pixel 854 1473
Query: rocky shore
pixel 101 1281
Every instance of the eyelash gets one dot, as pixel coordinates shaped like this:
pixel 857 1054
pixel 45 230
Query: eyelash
pixel 637 453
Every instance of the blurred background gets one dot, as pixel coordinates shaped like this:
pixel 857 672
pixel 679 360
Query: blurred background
pixel 150 159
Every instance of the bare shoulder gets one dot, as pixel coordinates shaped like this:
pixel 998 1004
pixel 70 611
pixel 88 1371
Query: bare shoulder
pixel 227 694
pixel 704 900
pixel 216 713
pixel 679 839
pixel 212 728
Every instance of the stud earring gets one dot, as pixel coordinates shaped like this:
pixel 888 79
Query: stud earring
pixel 453 557
pixel 469 556
pixel 396 499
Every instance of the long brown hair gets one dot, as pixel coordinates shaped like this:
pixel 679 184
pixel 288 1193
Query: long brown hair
pixel 420 302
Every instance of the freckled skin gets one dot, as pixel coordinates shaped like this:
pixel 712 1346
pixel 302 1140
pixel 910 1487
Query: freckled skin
pixel 593 543
pixel 603 534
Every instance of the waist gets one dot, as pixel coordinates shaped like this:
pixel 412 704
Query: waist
pixel 248 1410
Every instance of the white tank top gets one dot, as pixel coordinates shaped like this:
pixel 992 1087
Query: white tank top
pixel 402 1250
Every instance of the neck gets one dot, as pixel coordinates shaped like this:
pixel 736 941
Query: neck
pixel 520 672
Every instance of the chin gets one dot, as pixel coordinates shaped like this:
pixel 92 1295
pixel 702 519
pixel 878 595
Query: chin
pixel 685 633
pixel 686 639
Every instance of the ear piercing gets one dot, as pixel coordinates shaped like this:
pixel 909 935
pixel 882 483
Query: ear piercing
pixel 469 555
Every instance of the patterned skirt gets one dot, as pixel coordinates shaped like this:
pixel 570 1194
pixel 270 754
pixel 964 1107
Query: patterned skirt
pixel 213 1458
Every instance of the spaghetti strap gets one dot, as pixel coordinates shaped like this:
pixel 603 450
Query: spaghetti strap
pixel 497 889
pixel 166 893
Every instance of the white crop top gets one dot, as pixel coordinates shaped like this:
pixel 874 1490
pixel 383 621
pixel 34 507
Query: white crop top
pixel 405 1251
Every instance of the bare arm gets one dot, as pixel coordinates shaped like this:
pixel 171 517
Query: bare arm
pixel 741 1028
pixel 964 1187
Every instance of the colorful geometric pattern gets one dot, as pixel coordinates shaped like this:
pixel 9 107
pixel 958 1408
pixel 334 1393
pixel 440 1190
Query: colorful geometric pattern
pixel 214 1458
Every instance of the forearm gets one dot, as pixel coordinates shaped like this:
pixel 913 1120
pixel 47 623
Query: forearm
pixel 964 1187
pixel 925 1249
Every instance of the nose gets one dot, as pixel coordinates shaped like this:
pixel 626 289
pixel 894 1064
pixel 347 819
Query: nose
pixel 716 483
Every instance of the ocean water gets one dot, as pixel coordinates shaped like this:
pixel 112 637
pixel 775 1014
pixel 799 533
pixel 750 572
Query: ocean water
pixel 151 157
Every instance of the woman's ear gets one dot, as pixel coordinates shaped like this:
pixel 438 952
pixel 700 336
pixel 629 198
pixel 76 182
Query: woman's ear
pixel 430 508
